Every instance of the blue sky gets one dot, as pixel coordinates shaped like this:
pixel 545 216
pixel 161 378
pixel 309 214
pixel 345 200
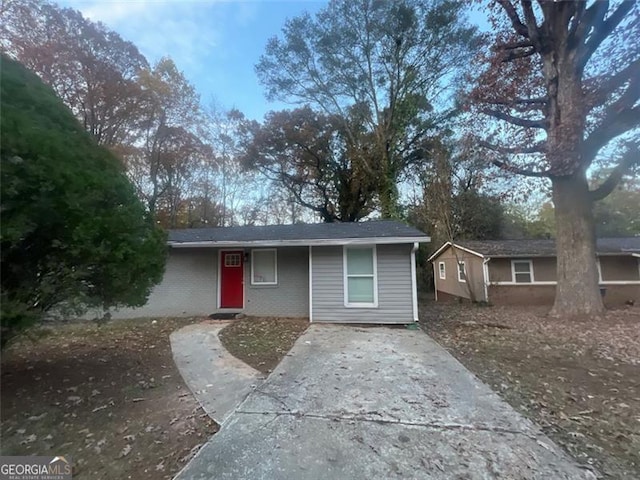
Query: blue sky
pixel 215 43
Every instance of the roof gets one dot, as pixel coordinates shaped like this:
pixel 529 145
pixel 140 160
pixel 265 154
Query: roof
pixel 542 248
pixel 381 231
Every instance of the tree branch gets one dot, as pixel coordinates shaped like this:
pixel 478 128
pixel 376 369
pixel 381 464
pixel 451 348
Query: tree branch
pixel 611 84
pixel 532 26
pixel 515 45
pixel 522 104
pixel 514 55
pixel 520 171
pixel 630 159
pixel 613 125
pixel 520 101
pixel 537 148
pixel 603 28
pixel 511 12
pixel 521 122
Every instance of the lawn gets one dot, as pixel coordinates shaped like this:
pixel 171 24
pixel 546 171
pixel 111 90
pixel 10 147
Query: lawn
pixel 110 397
pixel 578 379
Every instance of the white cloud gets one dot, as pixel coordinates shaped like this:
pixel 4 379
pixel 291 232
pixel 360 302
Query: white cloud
pixel 186 31
pixel 111 13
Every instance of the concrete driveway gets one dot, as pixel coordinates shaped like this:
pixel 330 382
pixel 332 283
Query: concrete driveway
pixel 376 403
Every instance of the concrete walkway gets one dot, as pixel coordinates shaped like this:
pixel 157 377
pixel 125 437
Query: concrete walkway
pixel 218 380
pixel 376 403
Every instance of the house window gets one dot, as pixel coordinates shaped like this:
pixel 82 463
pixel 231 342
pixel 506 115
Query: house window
pixel 360 277
pixel 232 260
pixel 264 267
pixel 443 270
pixel 522 271
pixel 462 272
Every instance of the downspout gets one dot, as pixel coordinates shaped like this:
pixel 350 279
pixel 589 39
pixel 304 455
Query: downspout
pixel 485 275
pixel 310 284
pixel 414 283
pixel 435 280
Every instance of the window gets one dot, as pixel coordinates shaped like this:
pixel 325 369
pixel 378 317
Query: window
pixel 232 260
pixel 264 267
pixel 522 271
pixel 443 270
pixel 360 277
pixel 462 272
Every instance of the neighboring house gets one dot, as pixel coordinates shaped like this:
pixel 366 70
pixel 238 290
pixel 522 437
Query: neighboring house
pixel 333 272
pixel 524 271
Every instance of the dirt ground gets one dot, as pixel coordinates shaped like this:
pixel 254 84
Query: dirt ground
pixel 262 342
pixel 578 379
pixel 110 397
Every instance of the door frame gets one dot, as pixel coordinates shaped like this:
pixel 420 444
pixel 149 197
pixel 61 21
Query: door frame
pixel 219 281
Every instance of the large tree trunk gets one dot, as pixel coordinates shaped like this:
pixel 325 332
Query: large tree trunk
pixel 577 292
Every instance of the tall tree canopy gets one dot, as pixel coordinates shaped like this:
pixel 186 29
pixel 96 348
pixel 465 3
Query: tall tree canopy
pixel 73 233
pixel 169 151
pixel 562 82
pixel 91 68
pixel 394 62
pixel 147 116
pixel 310 156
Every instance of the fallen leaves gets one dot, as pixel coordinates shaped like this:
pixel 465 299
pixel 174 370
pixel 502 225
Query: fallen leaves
pixel 578 379
pixel 125 451
pixel 262 342
pixel 103 395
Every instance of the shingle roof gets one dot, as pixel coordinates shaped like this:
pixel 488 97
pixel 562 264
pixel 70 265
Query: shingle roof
pixel 298 232
pixel 542 248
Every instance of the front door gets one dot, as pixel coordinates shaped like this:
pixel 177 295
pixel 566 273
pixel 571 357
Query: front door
pixel 231 279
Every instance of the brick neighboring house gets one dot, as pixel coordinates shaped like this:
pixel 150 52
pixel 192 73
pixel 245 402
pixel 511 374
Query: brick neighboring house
pixel 521 272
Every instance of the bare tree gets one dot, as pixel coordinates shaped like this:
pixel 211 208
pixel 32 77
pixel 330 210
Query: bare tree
pixel 562 80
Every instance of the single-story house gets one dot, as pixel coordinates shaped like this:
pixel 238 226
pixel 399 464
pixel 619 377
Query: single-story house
pixel 332 272
pixel 524 271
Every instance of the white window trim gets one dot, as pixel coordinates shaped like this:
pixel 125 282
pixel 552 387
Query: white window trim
pixel 464 268
pixel 513 271
pixel 275 257
pixel 442 270
pixel 345 277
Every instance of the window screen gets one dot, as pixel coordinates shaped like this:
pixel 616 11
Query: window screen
pixel 522 271
pixel 360 276
pixel 462 272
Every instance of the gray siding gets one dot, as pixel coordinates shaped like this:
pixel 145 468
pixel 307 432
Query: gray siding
pixel 290 298
pixel 394 287
pixel 188 287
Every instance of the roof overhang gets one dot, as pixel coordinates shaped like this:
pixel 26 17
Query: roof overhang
pixel 299 243
pixel 523 255
pixel 450 244
pixel 553 255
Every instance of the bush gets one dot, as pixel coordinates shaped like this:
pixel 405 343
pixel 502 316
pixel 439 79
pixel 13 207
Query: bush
pixel 74 235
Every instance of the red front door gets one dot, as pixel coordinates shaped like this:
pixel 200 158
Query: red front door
pixel 231 279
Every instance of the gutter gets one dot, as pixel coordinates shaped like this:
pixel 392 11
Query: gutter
pixel 414 281
pixel 485 275
pixel 300 243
